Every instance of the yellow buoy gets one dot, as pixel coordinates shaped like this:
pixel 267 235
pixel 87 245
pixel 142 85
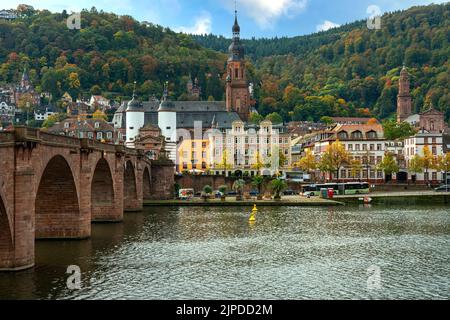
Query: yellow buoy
pixel 253 214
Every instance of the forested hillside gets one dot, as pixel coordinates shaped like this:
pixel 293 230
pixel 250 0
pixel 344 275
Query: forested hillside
pixel 106 56
pixel 352 70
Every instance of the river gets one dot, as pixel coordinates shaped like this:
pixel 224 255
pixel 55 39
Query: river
pixel 351 252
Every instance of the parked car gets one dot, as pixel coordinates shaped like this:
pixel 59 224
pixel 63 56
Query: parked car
pixel 289 192
pixel 254 193
pixel 443 188
pixel 232 193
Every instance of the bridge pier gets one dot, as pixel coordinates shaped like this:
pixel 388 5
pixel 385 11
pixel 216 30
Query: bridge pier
pixel 132 188
pixel 18 253
pixel 54 187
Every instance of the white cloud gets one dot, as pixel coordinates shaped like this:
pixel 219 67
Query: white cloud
pixel 266 12
pixel 326 25
pixel 202 25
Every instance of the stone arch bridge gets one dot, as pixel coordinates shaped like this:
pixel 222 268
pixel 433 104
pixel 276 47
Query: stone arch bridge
pixel 53 187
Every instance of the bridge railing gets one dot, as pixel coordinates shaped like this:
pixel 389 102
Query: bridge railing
pixel 26 134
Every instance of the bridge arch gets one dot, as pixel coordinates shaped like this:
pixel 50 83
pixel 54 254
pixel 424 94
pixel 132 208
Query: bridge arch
pixel 57 210
pixel 102 192
pixel 130 196
pixel 146 187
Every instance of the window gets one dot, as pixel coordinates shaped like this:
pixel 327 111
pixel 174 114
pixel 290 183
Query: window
pixel 97 125
pixel 357 134
pixel 193 145
pixel 433 150
pixel 372 147
pixel 379 159
pixel 168 128
pixel 90 135
pixel 203 144
pixel 185 165
pixel 357 147
pixel 378 147
pixel 66 125
pixel 185 154
pixel 371 135
pixel 434 176
pixel 99 135
pixel 379 174
pixel 343 173
pixel 343 135
pixel 204 154
pixel 350 147
pixel 364 147
pixel 109 135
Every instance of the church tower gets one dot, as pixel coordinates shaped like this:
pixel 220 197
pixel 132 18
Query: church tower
pixel 237 94
pixel 404 102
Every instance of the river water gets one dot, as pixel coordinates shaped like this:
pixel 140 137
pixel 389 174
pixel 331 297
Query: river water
pixel 351 252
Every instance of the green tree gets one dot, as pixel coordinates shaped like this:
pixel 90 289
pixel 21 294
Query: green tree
pixel 394 130
pixel 53 119
pixel 258 182
pixel 327 120
pixel 278 186
pixel 275 118
pixel 307 163
pixel 388 165
pixel 334 157
pixel 238 186
pixel 355 167
pixel 428 161
pixel 255 118
pixel 415 164
pixel 207 191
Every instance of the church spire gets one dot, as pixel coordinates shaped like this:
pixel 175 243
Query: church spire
pixel 236 28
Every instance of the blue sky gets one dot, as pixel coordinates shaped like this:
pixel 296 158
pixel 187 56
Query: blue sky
pixel 258 18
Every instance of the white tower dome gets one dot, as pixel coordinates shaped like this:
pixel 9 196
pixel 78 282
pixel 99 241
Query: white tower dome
pixel 134 121
pixel 167 122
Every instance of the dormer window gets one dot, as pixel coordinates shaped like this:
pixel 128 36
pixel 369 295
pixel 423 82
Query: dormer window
pixel 66 125
pixel 343 135
pixel 357 134
pixel 97 125
pixel 371 135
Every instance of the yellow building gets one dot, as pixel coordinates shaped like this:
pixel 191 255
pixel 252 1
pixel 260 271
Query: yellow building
pixel 193 155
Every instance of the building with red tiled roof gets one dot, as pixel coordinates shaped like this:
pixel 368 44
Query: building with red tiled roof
pixel 96 129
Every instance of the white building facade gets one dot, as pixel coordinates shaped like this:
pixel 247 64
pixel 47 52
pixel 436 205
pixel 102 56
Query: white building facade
pixel 415 146
pixel 250 150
